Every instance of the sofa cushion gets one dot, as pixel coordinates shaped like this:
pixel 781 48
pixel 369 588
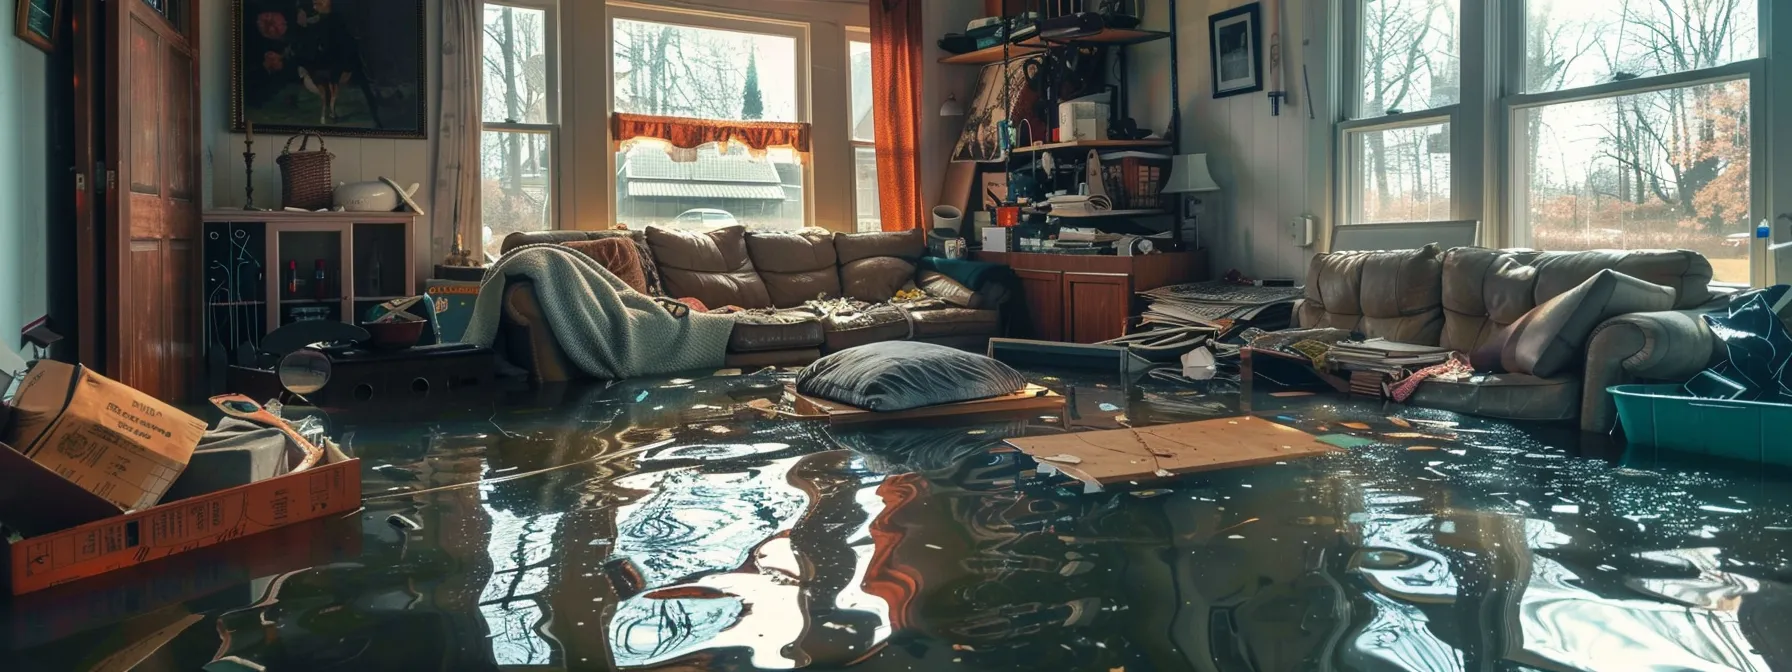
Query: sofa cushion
pixel 1510 396
pixel 900 244
pixel 874 325
pixel 901 376
pixel 617 255
pixel 876 279
pixel 1487 290
pixel 768 331
pixel 1393 295
pixel 874 266
pixel 797 266
pixel 1549 339
pixel 712 267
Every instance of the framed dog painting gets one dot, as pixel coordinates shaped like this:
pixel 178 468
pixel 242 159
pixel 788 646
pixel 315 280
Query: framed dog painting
pixel 333 67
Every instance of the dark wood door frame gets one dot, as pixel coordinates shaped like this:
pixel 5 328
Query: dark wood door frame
pixel 138 194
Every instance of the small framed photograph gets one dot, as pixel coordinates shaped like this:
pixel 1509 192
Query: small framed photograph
pixel 37 21
pixel 1237 51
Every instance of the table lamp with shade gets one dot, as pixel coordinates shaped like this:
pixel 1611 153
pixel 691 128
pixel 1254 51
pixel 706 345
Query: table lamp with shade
pixel 1189 176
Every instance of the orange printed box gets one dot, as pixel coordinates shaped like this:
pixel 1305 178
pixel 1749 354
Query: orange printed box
pixel 46 560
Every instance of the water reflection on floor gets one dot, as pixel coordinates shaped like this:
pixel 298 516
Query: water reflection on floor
pixel 663 525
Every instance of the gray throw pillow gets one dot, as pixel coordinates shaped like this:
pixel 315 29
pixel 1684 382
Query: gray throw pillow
pixel 1550 338
pixel 900 375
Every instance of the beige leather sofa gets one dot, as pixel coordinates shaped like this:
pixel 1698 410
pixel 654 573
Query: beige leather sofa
pixel 1462 298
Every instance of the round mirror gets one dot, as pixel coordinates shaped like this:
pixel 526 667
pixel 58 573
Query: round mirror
pixel 304 371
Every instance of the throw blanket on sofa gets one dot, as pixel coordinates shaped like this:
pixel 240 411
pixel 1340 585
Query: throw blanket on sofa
pixel 609 331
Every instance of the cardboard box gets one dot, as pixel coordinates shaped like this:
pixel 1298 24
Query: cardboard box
pixel 46 560
pixel 454 306
pixel 118 443
pixel 1080 121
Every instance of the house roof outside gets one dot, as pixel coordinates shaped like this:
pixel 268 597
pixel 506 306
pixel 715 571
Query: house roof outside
pixel 651 173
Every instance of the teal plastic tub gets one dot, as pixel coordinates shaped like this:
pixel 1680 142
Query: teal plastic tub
pixel 1662 416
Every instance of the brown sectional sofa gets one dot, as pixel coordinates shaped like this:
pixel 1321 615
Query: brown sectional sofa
pixel 772 276
pixel 1464 298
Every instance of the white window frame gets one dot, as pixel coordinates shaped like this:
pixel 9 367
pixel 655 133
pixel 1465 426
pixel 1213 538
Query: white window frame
pixel 856 35
pixel 551 12
pixel 1487 180
pixel 720 20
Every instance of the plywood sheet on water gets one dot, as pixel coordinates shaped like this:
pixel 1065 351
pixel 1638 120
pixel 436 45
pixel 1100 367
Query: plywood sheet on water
pixel 1033 398
pixel 1144 454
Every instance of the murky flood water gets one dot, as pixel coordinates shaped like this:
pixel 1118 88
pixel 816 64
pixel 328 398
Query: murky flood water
pixel 662 524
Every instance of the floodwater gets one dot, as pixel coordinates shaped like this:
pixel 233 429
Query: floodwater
pixel 661 524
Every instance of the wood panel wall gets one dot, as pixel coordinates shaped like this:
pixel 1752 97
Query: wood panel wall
pixel 1271 169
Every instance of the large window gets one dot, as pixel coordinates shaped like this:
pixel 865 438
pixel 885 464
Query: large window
pixel 708 67
pixel 520 115
pixel 1628 124
pixel 864 134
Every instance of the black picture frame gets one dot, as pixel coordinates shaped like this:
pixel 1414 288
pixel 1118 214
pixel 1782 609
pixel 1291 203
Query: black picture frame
pixel 1235 49
pixel 37 22
pixel 373 51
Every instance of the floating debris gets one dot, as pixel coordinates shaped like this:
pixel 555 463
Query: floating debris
pixel 1355 425
pixel 1163 473
pixel 935 547
pixel 1290 394
pixel 765 407
pixel 1107 407
pixel 1064 458
pixel 403 523
pixel 1422 448
pixel 1076 567
pixel 682 381
pixel 840 626
pixel 641 397
pixel 1399 421
pixel 727 372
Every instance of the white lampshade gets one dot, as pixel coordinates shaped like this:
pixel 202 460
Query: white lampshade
pixel 1189 174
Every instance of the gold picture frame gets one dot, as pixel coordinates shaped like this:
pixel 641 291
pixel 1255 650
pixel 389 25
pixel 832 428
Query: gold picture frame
pixel 38 22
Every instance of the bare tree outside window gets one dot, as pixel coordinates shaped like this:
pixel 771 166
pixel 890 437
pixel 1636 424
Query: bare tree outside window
pixel 1656 169
pixel 1411 62
pixel 515 168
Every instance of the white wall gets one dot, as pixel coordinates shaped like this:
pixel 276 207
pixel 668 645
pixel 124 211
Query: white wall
pixel 24 158
pixel 357 159
pixel 1271 169
pixel 940 134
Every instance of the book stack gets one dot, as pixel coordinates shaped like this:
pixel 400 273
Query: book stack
pixel 1384 356
pixel 1368 384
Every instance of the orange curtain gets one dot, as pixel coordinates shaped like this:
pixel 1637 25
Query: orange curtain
pixel 686 135
pixel 896 43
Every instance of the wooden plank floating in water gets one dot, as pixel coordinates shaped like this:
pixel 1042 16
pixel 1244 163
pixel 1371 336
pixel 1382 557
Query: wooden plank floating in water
pixel 1031 399
pixel 1165 451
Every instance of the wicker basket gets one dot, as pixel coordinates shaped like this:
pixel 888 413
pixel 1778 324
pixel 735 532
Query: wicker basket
pixel 1133 182
pixel 305 175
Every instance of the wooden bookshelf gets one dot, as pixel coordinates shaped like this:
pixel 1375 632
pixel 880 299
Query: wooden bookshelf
pixel 995 54
pixel 1092 144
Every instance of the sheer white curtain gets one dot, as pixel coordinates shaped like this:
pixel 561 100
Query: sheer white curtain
pixel 457 141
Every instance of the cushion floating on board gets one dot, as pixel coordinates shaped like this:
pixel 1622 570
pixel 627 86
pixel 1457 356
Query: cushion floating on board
pixel 900 375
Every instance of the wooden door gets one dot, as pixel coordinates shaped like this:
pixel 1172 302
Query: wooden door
pixel 1096 306
pixel 1043 292
pixel 149 229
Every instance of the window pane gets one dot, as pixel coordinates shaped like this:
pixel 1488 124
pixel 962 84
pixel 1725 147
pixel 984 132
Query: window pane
pixel 865 173
pixel 1411 55
pixel 863 130
pixel 720 188
pixel 516 185
pixel 1659 170
pixel 1403 174
pixel 1574 43
pixel 516 65
pixel 680 71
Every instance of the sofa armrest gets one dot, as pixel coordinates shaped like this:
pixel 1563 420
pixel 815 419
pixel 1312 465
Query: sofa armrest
pixel 527 340
pixel 943 287
pixel 1668 345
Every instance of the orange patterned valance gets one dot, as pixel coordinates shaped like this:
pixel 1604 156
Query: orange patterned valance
pixel 686 134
